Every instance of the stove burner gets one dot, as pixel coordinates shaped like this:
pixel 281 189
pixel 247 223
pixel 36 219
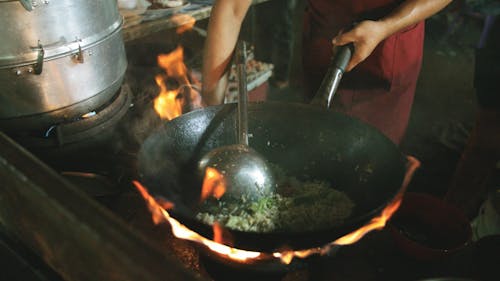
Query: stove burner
pixel 220 272
pixel 222 269
pixel 90 127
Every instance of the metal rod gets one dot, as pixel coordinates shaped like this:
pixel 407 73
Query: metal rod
pixel 241 59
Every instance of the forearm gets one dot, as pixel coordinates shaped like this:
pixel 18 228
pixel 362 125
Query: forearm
pixel 411 12
pixel 222 33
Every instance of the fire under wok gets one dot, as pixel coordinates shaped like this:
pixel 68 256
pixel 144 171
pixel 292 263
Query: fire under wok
pixel 307 141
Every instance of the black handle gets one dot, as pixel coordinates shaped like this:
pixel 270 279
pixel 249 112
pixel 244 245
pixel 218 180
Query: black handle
pixel 340 60
pixel 343 56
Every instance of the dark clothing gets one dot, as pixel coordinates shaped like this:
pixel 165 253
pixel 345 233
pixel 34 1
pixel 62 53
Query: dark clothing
pixel 481 155
pixel 275 26
pixel 487 70
pixel 478 161
pixel 378 91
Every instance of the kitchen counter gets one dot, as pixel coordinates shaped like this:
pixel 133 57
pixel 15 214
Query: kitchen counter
pixel 196 10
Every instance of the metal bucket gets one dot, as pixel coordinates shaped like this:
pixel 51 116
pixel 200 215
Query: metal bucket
pixel 58 59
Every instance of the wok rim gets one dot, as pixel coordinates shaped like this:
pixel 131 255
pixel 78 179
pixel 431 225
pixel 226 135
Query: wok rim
pixel 291 240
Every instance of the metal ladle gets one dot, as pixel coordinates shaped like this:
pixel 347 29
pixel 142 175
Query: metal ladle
pixel 245 172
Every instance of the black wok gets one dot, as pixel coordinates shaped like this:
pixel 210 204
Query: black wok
pixel 307 141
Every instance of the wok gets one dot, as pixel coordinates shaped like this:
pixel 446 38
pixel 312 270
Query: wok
pixel 307 141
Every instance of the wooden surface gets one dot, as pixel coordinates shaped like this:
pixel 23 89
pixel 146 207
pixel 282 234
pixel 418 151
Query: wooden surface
pixel 146 28
pixel 72 233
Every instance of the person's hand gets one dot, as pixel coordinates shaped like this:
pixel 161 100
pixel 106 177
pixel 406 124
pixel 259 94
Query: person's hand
pixel 365 36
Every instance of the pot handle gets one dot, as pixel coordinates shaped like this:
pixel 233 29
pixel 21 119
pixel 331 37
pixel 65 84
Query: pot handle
pixel 331 81
pixel 27 4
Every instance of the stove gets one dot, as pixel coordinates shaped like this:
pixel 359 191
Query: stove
pixel 76 131
pixel 116 211
pixel 71 201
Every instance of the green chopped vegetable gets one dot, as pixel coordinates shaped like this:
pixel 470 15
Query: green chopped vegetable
pixel 296 206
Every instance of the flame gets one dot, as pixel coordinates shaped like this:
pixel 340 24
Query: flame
pixel 173 63
pixel 166 104
pixel 169 103
pixel 222 235
pixel 184 22
pixel 159 214
pixel 180 231
pixel 218 233
pixel 155 208
pixel 376 223
pixel 166 205
pixel 213 184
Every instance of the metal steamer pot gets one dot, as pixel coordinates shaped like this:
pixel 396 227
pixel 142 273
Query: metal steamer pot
pixel 58 59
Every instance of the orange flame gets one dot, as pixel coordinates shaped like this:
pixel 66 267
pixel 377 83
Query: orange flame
pixel 218 237
pixel 169 103
pixel 155 208
pixel 376 223
pixel 184 22
pixel 213 184
pixel 173 63
pixel 166 104
pixel 182 232
pixel 166 205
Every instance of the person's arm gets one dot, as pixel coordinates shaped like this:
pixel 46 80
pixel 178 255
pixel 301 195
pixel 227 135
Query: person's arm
pixel 368 34
pixel 222 33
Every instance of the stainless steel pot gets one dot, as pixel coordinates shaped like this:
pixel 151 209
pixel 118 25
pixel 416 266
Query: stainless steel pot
pixel 58 59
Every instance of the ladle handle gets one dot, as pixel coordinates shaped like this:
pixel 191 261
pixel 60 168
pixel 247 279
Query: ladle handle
pixel 241 58
pixel 331 81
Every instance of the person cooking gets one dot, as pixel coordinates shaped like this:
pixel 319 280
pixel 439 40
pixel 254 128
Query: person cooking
pixel 382 73
pixel 480 160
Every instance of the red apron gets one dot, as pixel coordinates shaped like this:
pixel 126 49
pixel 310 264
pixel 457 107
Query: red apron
pixel 378 91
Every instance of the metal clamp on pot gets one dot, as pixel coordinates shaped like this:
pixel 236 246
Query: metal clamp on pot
pixel 38 67
pixel 28 5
